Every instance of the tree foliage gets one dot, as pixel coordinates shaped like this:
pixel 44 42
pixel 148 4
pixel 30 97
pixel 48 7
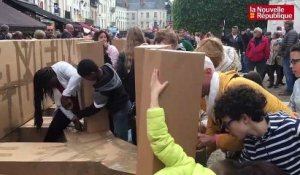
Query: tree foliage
pixel 208 15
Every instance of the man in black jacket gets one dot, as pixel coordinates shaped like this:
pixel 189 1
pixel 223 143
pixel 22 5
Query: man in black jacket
pixel 109 92
pixel 290 38
pixel 235 40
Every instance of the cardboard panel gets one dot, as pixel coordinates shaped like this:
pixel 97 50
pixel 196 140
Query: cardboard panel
pixel 120 44
pixel 19 61
pixel 181 99
pixel 139 54
pixel 110 156
pixel 98 122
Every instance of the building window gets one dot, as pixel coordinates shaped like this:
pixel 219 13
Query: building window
pixel 133 16
pixel 147 15
pixel 148 25
pixel 142 14
pixel 155 14
pixel 142 24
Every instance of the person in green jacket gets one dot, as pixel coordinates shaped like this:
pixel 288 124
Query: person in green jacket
pixel 163 144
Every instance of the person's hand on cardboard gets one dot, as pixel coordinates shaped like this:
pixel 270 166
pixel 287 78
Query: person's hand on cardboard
pixel 206 140
pixel 78 125
pixel 66 102
pixel 156 88
pixel 297 115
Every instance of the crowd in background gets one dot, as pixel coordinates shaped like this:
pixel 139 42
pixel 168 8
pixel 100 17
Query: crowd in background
pixel 235 66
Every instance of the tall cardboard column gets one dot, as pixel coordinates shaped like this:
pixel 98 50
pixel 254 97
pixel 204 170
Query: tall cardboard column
pixel 94 51
pixel 181 101
pixel 139 54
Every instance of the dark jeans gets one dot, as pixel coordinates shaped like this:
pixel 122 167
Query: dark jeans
pixel 121 122
pixel 260 67
pixel 132 118
pixel 55 132
pixel 289 76
pixel 244 61
pixel 279 71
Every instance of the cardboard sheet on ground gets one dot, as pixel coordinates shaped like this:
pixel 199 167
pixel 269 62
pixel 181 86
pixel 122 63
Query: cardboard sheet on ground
pixel 181 101
pixel 19 60
pixel 94 51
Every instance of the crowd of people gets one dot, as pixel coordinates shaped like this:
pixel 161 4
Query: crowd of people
pixel 49 33
pixel 244 119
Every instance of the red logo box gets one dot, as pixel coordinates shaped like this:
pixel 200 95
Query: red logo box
pixel 270 12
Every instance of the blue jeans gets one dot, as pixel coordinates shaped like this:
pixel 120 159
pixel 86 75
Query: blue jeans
pixel 289 76
pixel 244 61
pixel 121 122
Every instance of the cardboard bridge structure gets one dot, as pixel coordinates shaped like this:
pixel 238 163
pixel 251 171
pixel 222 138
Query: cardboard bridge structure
pixel 95 151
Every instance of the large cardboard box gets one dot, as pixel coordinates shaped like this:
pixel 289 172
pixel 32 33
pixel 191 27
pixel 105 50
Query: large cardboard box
pixel 100 121
pixel 120 44
pixel 19 61
pixel 181 101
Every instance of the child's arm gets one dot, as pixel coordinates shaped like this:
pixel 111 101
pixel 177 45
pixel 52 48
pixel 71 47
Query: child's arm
pixel 162 143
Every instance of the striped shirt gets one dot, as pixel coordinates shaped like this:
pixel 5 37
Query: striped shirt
pixel 280 145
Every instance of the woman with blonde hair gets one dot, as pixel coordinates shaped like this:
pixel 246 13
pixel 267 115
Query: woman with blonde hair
pixel 223 57
pixel 135 37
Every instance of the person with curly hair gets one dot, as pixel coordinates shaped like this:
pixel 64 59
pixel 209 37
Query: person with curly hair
pixel 111 53
pixel 214 85
pixel 272 137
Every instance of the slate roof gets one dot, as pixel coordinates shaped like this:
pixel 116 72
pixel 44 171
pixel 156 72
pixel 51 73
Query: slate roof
pixel 134 5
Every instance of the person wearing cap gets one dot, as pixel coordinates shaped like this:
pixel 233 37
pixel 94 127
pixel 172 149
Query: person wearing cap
pixel 258 51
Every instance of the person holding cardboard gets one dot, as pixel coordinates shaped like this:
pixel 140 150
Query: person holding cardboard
pixel 109 92
pixel 60 82
pixel 214 85
pixel 162 143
